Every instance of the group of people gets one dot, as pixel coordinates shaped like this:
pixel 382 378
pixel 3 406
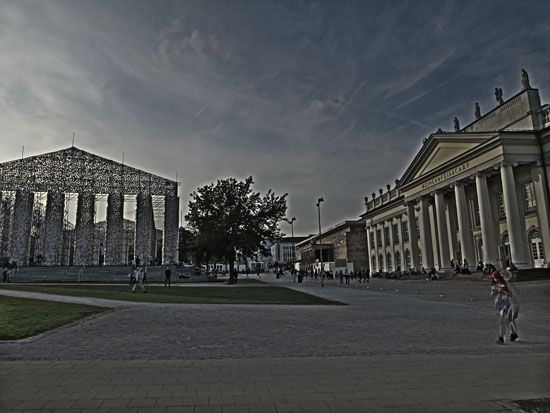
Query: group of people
pixel 137 279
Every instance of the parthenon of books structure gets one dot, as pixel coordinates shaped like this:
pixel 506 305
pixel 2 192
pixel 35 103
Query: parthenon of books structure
pixel 57 177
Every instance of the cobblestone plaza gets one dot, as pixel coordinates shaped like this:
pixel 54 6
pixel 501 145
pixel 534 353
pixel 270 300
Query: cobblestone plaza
pixel 406 345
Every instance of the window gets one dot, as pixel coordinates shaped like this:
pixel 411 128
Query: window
pixel 475 213
pixel 417 228
pixel 388 262
pixel 371 235
pixel 373 260
pixel 536 245
pixel 405 230
pixel 379 237
pixel 501 210
pixel 395 233
pixel 529 196
pixel 408 262
pixel 380 261
pixel 386 235
pixel 397 259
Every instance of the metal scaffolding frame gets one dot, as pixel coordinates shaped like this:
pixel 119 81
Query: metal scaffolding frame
pixel 62 175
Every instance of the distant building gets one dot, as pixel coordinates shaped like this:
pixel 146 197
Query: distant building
pixel 282 250
pixel 344 246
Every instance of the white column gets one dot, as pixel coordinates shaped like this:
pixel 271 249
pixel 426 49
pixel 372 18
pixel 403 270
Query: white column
pixel 144 208
pixel 84 229
pixel 425 233
pixel 543 206
pixel 376 246
pixel 490 254
pixel 401 243
pixel 115 229
pixel 442 230
pixel 516 230
pixel 53 228
pixel 369 253
pixel 392 244
pixel 171 229
pixel 413 235
pixel 464 226
pixel 450 214
pixel 22 225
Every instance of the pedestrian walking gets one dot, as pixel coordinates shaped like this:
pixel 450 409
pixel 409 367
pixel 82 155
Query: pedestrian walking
pixel 139 280
pixel 167 276
pixel 506 305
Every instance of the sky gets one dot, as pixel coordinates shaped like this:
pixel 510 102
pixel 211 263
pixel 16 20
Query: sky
pixel 312 98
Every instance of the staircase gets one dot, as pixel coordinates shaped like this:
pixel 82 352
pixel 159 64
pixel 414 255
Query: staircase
pixel 533 274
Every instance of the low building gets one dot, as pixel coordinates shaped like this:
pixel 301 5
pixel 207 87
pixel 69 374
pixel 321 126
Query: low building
pixel 343 246
pixel 479 193
pixel 283 250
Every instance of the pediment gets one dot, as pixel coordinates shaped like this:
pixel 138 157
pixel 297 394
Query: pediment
pixel 440 150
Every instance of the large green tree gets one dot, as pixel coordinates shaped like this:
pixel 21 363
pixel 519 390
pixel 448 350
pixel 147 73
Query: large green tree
pixel 228 217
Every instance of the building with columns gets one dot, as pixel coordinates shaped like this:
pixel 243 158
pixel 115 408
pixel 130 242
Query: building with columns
pixel 73 173
pixel 479 193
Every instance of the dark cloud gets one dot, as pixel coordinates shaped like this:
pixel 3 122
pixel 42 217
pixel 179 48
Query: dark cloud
pixel 311 98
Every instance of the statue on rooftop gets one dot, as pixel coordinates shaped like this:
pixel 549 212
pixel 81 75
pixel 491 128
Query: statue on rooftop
pixel 477 111
pixel 498 95
pixel 525 79
pixel 456 125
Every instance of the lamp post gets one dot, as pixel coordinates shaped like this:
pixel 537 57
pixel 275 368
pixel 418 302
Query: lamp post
pixel 320 243
pixel 291 222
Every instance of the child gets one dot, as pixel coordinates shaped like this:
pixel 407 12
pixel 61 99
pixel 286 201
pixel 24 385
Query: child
pixel 506 305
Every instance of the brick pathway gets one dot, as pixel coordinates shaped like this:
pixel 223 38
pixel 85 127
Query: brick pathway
pixel 426 347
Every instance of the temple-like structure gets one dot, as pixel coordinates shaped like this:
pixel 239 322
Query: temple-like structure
pixel 73 172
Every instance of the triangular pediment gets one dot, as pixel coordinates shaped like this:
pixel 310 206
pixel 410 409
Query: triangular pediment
pixel 75 170
pixel 439 150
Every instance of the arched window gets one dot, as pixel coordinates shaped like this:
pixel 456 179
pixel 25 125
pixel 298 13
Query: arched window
pixel 388 262
pixel 537 250
pixel 397 260
pixel 408 262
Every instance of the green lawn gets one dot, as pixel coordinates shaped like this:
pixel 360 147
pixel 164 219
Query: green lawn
pixel 23 317
pixel 175 294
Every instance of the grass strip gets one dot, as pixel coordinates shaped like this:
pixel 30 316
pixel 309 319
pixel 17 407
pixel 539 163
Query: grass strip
pixel 25 317
pixel 176 294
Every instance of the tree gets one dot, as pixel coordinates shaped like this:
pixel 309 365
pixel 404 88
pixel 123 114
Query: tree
pixel 229 217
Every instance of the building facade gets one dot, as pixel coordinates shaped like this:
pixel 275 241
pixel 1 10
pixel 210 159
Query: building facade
pixel 480 193
pixel 343 246
pixel 283 250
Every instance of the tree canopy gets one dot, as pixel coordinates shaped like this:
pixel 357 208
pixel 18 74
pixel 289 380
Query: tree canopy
pixel 227 217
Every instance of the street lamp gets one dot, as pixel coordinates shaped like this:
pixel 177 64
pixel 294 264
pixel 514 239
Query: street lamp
pixel 291 222
pixel 320 243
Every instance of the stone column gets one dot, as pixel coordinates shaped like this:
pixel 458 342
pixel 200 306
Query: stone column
pixel 171 228
pixel 392 244
pixel 490 253
pixel 451 217
pixel 376 264
pixel 53 228
pixel 514 222
pixel 543 206
pixel 22 225
pixel 369 256
pixel 425 234
pixel 413 235
pixel 84 229
pixel 401 243
pixel 442 230
pixel 464 226
pixel 115 229
pixel 144 209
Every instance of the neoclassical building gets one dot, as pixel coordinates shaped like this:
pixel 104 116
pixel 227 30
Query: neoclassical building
pixel 480 193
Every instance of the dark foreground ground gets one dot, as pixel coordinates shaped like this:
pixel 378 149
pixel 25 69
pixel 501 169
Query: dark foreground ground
pixel 397 346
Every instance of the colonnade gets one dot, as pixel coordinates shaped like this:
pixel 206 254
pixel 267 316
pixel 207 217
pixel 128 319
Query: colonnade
pixel 445 228
pixel 84 228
